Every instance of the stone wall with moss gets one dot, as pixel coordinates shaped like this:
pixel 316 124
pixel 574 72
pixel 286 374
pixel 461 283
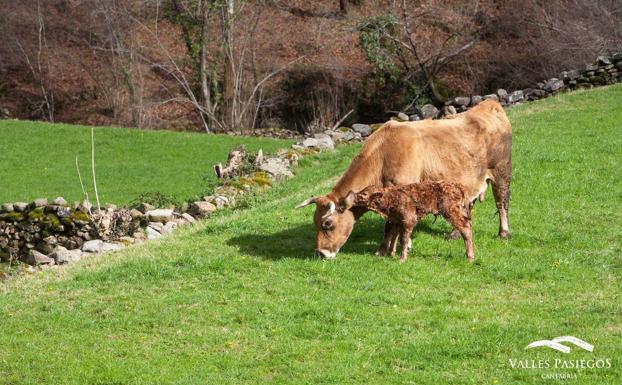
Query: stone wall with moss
pixel 44 233
pixel 41 226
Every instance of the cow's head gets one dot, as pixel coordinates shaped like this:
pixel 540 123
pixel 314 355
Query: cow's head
pixel 333 223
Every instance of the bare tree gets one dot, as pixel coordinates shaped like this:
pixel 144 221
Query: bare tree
pixel 458 37
pixel 231 87
pixel 121 50
pixel 39 66
pixel 302 12
pixel 416 40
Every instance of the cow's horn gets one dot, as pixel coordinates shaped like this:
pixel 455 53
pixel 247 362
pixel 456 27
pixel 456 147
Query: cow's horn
pixel 331 210
pixel 307 202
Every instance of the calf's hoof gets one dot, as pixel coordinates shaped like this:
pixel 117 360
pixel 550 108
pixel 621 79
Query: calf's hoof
pixel 504 234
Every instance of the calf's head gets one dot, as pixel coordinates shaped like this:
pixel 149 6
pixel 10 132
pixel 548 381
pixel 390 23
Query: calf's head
pixel 367 198
pixel 333 223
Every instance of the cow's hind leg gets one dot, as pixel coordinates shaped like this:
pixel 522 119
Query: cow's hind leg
pixel 501 191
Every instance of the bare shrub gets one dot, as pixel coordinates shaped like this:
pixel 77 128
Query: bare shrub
pixel 312 98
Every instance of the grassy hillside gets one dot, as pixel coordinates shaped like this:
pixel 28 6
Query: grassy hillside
pixel 38 160
pixel 239 298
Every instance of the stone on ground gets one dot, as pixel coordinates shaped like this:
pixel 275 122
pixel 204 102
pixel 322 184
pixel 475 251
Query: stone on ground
pixel 59 201
pixel 93 246
pixel 37 258
pixel 152 234
pixel 159 215
pixel 200 209
pixel 363 129
pixel 429 111
pixel 277 167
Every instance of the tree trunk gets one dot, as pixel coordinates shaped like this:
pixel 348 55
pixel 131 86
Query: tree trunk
pixel 343 7
pixel 228 79
pixel 205 86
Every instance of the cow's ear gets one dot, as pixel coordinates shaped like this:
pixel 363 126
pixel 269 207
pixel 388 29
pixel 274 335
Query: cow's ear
pixel 348 201
pixel 307 202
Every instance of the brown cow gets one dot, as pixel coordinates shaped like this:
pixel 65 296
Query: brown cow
pixel 471 149
pixel 403 206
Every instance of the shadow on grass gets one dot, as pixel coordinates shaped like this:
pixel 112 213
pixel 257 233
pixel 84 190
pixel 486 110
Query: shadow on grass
pixel 299 241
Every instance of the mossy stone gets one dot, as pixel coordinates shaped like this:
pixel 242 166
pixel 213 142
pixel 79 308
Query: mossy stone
pixel 67 222
pixel 13 216
pixel 51 222
pixel 79 216
pixel 242 183
pixel 261 178
pixel 36 214
pixel 375 126
pixel 307 151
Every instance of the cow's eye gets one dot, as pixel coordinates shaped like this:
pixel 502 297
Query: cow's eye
pixel 328 224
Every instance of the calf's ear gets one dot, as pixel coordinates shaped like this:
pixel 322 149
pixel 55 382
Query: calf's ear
pixel 348 201
pixel 307 202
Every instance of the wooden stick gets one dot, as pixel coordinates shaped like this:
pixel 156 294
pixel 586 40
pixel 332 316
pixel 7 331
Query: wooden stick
pixel 341 120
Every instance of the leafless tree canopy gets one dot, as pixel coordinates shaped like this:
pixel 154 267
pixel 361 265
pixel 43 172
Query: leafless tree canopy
pixel 219 65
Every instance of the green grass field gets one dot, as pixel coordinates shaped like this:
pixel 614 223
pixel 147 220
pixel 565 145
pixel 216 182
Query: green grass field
pixel 239 298
pixel 38 160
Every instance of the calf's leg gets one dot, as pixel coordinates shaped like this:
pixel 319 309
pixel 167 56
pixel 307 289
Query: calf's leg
pixel 395 236
pixel 385 246
pixel 467 235
pixel 407 230
pixel 460 218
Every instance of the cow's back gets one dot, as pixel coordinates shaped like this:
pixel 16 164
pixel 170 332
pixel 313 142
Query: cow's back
pixel 462 150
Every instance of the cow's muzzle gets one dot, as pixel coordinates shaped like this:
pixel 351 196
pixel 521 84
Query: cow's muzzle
pixel 325 254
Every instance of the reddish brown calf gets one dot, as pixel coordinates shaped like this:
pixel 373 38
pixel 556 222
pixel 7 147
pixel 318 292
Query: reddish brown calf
pixel 403 206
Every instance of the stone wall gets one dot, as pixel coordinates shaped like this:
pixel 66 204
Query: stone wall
pixel 44 233
pixel 30 231
pixel 604 71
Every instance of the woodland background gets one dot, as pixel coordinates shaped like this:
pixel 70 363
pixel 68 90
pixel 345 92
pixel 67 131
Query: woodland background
pixel 229 65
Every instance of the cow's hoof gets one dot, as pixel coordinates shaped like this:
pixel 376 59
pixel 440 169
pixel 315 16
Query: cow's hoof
pixel 453 235
pixel 381 252
pixel 504 234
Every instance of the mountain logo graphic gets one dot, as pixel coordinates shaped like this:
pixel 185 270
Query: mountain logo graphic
pixel 555 343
